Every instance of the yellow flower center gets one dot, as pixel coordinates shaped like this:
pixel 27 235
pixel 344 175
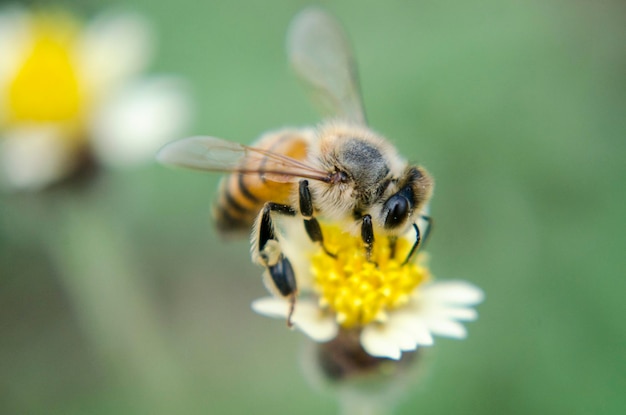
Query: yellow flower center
pixel 45 87
pixel 359 291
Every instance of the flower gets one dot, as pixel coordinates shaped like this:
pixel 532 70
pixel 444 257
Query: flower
pixel 393 306
pixel 71 93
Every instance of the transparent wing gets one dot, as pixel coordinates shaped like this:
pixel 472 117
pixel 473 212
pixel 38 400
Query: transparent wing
pixel 321 55
pixel 214 154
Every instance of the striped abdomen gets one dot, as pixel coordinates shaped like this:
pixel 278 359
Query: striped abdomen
pixel 241 196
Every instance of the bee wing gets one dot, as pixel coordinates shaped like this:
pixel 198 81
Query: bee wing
pixel 321 55
pixel 214 154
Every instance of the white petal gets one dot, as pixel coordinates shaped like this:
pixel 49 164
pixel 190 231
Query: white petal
pixel 378 342
pixel 446 328
pixel 397 334
pixel 412 325
pixel 134 124
pixel 33 157
pixel 403 339
pixel 114 48
pixel 307 317
pixel 271 307
pixel 457 313
pixel 434 311
pixel 313 323
pixel 453 292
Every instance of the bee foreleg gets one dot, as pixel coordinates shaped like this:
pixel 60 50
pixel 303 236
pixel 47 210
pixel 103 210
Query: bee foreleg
pixel 429 225
pixel 419 240
pixel 311 225
pixel 367 235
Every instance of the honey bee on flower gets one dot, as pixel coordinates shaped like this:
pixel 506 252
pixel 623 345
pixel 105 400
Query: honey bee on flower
pixel 361 207
pixel 73 93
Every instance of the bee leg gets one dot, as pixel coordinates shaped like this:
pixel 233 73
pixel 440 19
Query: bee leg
pixel 285 281
pixel 268 248
pixel 367 235
pixel 271 257
pixel 416 244
pixel 429 225
pixel 311 225
pixel 393 243
pixel 419 240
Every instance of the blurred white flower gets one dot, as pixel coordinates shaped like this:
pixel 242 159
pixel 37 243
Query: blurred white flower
pixel 394 307
pixel 71 92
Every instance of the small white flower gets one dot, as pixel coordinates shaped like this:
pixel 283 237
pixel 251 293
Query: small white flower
pixel 69 90
pixel 394 307
pixel 315 323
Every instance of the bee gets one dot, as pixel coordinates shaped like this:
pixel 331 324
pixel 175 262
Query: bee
pixel 341 171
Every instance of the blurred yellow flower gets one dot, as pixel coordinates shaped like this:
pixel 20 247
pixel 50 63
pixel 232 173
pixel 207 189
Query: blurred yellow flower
pixel 71 91
pixel 395 307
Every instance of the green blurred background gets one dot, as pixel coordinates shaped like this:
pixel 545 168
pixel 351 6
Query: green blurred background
pixel 516 108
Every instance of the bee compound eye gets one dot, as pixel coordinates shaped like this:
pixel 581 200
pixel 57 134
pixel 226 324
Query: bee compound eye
pixel 397 210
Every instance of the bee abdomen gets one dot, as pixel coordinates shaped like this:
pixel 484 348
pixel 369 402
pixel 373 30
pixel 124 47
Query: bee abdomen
pixel 236 206
pixel 242 196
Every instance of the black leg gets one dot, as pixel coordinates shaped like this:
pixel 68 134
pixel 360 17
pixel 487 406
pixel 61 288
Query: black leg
pixel 283 276
pixel 285 281
pixel 429 225
pixel 271 257
pixel 418 238
pixel 393 243
pixel 266 229
pixel 314 231
pixel 367 235
pixel 311 225
pixel 305 199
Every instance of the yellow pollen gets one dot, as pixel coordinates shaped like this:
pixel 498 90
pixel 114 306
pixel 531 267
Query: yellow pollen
pixel 359 291
pixel 45 87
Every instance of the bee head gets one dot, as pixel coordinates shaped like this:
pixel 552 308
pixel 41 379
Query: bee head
pixel 414 190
